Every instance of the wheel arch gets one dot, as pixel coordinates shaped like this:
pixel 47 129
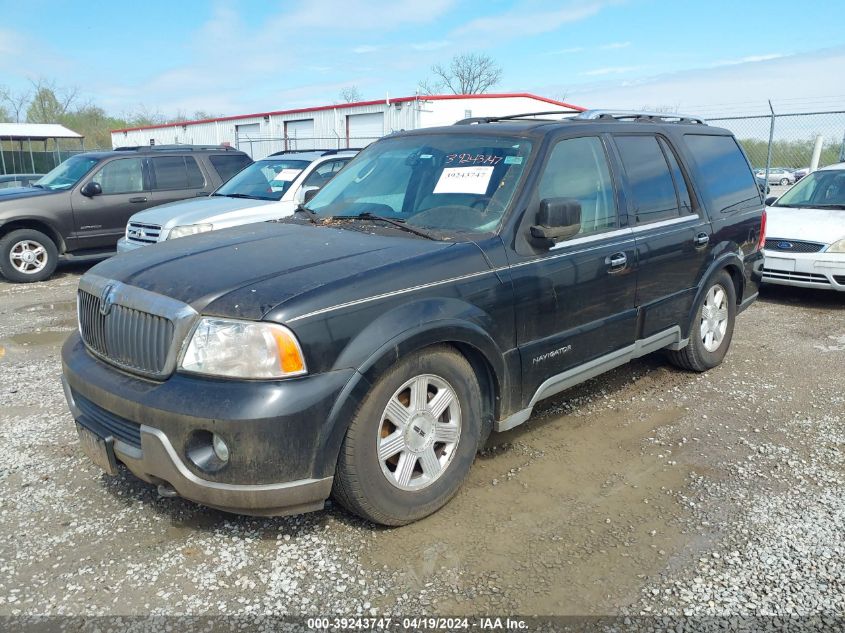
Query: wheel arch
pixel 466 335
pixel 733 265
pixel 36 224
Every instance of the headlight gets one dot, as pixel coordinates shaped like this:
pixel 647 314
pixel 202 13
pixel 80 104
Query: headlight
pixel 243 349
pixel 188 229
pixel 837 247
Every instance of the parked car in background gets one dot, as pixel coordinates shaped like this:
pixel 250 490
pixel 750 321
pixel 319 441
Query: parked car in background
pixel 267 189
pixel 807 229
pixel 7 181
pixel 436 289
pixel 81 207
pixel 800 173
pixel 777 176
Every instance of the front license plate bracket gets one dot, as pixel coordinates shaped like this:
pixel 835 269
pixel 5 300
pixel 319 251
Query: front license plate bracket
pixel 98 450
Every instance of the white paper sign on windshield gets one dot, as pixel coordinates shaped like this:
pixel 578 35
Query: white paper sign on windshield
pixel 464 180
pixel 287 175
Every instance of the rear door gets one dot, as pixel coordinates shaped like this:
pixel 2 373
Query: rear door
pixel 175 178
pixel 575 301
pixel 672 232
pixel 101 220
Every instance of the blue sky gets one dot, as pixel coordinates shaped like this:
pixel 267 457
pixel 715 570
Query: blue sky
pixel 248 56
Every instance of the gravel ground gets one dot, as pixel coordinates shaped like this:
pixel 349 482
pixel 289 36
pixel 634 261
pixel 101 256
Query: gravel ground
pixel 646 491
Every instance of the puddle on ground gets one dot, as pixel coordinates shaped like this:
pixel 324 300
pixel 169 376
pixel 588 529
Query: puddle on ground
pixel 26 341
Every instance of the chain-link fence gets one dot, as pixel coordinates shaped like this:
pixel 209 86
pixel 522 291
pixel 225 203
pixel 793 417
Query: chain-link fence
pixel 789 142
pixel 264 146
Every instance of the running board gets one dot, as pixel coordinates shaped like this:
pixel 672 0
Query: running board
pixel 668 339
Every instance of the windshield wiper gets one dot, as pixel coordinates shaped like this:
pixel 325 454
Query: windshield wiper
pixel 241 195
pixel 400 224
pixel 827 206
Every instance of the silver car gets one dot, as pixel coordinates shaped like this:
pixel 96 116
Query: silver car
pixel 267 189
pixel 777 176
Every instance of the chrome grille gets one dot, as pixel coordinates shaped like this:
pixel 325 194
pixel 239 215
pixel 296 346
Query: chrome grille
pixel 141 233
pixel 792 246
pixel 125 336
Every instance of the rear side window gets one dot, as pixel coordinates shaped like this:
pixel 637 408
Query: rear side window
pixel 228 165
pixel 176 172
pixel 649 177
pixel 726 178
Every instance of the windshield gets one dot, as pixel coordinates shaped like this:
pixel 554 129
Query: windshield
pixel 821 189
pixel 67 174
pixel 267 179
pixel 447 182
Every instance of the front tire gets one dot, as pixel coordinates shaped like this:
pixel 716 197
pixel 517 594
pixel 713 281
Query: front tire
pixel 712 327
pixel 413 439
pixel 27 255
pixel 784 181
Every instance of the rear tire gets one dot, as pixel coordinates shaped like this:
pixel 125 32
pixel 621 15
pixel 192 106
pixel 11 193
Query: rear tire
pixel 27 255
pixel 784 181
pixel 412 441
pixel 712 327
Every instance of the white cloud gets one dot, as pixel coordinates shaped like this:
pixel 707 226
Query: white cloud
pixel 750 59
pixel 530 18
pixel 430 46
pixel 365 48
pixel 611 70
pixel 614 46
pixel 793 82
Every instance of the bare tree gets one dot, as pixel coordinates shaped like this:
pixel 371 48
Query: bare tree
pixel 16 103
pixel 469 73
pixel 50 103
pixel 350 94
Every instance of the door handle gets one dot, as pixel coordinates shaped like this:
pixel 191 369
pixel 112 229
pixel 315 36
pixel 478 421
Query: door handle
pixel 617 262
pixel 138 199
pixel 702 239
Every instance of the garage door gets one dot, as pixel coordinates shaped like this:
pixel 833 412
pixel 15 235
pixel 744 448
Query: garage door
pixel 362 129
pixel 246 138
pixel 299 134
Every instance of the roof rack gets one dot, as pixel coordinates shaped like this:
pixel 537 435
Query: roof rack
pixel 508 117
pixel 175 148
pixel 622 115
pixel 323 152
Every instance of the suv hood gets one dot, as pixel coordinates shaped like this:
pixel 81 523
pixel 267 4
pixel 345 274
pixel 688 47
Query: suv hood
pixel 811 225
pixel 198 210
pixel 16 193
pixel 246 271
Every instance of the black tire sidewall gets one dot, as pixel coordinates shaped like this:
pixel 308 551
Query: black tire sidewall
pixel 708 358
pixel 10 272
pixel 397 506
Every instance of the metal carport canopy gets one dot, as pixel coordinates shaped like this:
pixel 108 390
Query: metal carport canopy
pixel 35 131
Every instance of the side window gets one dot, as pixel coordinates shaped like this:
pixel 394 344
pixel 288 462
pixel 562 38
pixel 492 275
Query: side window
pixel 726 178
pixel 324 173
pixel 577 168
pixel 195 177
pixel 171 172
pixel 681 187
pixel 227 165
pixel 648 175
pixel 124 175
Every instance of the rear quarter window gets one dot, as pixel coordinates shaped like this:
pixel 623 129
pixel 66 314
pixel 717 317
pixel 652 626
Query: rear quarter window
pixel 227 166
pixel 725 177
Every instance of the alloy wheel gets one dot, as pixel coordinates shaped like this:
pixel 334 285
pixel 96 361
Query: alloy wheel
pixel 28 257
pixel 714 318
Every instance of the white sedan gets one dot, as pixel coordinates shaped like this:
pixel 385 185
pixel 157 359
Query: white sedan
pixel 805 232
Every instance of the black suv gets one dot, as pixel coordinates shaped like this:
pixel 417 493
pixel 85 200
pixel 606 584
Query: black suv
pixel 81 207
pixel 444 282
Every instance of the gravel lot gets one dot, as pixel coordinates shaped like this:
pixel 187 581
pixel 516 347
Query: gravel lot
pixel 646 491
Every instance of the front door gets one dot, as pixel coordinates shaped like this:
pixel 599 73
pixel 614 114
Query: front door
pixel 574 301
pixel 101 220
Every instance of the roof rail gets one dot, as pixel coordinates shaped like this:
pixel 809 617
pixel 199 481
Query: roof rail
pixel 322 151
pixel 175 148
pixel 524 115
pixel 636 115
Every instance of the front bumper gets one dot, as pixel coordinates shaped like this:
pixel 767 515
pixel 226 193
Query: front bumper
pixel 124 245
pixel 805 270
pixel 275 431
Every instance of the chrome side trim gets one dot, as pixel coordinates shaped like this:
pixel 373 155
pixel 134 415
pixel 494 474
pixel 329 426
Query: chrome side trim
pixel 663 223
pixel 670 338
pixel 595 237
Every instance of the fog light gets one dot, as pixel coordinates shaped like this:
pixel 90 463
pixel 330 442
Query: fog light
pixel 220 448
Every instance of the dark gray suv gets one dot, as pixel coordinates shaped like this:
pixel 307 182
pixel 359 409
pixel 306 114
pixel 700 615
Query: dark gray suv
pixel 81 207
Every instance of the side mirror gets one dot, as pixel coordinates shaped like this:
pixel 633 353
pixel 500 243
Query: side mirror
pixel 771 200
pixel 557 219
pixel 308 194
pixel 91 189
